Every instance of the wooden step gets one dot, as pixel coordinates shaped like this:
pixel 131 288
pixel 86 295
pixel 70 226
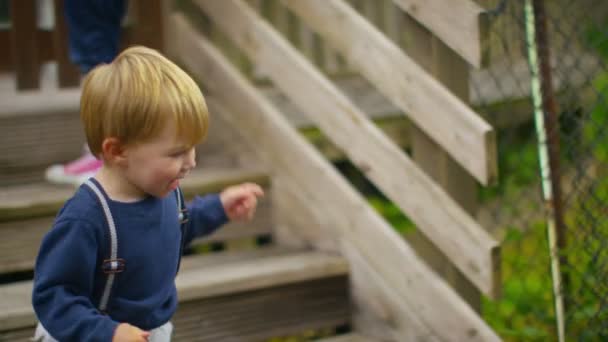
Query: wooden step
pixel 233 296
pixel 27 212
pixel 43 199
pixel 354 337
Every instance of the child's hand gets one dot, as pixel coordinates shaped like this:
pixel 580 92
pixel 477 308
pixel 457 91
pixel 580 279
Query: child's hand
pixel 241 200
pixel 127 333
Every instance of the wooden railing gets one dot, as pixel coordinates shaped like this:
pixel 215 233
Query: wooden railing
pixel 434 187
pixel 26 46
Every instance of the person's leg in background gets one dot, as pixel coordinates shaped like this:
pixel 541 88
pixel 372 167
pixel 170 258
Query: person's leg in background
pixel 94 30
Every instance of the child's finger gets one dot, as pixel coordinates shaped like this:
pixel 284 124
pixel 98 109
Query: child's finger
pixel 254 188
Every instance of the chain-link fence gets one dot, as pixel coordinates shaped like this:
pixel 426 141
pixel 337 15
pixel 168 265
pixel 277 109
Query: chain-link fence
pixel 514 210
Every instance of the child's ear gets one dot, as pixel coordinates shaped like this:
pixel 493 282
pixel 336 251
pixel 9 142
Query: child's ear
pixel 113 151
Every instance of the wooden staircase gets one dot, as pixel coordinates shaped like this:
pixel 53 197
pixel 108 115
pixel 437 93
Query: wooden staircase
pixel 246 292
pixel 317 256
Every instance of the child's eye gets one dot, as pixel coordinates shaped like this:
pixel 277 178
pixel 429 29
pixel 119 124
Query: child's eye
pixel 177 154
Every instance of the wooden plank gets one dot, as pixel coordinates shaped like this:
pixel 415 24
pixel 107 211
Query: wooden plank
pixel 372 297
pixel 16 306
pixel 262 314
pixel 342 213
pixel 43 199
pixel 358 90
pixel 149 30
pixel 5 42
pixel 69 76
pixel 460 24
pixel 348 338
pixel 24 41
pixel 257 273
pixel 469 246
pixel 429 104
pixel 450 69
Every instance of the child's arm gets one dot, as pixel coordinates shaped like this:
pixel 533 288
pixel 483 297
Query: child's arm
pixel 63 284
pixel 210 212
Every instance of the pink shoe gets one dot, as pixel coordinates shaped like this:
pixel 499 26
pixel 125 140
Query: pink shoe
pixel 75 172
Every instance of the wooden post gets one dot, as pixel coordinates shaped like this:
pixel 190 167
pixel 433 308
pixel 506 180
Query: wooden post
pixel 69 76
pixel 452 71
pixel 24 33
pixel 149 29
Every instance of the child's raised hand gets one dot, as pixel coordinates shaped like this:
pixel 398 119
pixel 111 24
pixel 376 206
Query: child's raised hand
pixel 125 332
pixel 240 201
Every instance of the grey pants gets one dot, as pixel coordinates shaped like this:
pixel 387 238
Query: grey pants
pixel 160 334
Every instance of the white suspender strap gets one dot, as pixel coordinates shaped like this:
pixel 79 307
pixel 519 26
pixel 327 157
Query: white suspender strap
pixel 112 265
pixel 180 215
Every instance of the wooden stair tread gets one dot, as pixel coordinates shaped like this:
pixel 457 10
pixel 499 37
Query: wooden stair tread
pixel 205 276
pixel 35 102
pixel 41 199
pixel 258 272
pixel 353 337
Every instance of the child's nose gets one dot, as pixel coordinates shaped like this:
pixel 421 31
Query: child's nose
pixel 190 162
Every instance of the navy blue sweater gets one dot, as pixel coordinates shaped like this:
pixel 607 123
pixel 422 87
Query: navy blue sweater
pixel 68 281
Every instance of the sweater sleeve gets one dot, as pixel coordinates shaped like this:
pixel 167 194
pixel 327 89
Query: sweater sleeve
pixel 206 214
pixel 63 284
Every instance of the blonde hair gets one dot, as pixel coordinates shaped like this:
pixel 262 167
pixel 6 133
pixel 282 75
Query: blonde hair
pixel 134 97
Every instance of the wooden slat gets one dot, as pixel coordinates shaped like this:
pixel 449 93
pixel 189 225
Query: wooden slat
pixel 344 216
pixel 262 314
pixel 433 108
pixel 24 40
pixel 5 42
pixel 43 199
pixel 18 335
pixel 258 273
pixel 373 297
pixel 149 29
pixel 452 71
pixel 15 307
pixel 458 235
pixel 460 24
pixel 69 76
pixel 348 338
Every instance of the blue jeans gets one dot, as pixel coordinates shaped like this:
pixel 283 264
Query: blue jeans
pixel 94 30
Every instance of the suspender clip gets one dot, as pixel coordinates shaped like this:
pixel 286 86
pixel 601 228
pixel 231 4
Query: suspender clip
pixel 112 266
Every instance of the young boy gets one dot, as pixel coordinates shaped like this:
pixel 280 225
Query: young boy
pixel 106 270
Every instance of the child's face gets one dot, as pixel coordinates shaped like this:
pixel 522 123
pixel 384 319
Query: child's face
pixel 156 166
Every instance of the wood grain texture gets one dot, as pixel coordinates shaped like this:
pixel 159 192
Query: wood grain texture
pixel 430 105
pixel 460 24
pixel 438 216
pixel 341 212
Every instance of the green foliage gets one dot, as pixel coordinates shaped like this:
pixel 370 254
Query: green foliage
pixel 595 133
pixel 597 38
pixel 392 214
pixel 525 311
pixel 515 158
